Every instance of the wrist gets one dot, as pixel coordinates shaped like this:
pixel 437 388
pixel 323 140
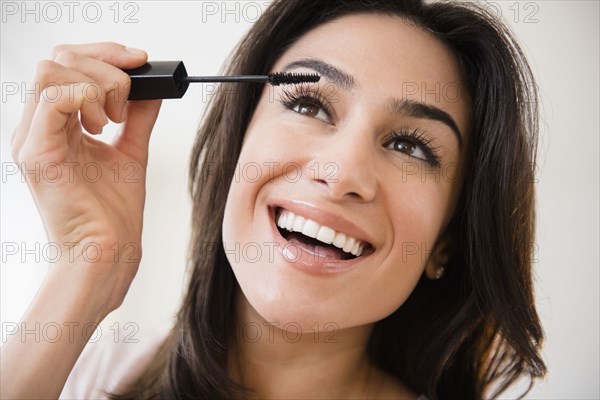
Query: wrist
pixel 72 293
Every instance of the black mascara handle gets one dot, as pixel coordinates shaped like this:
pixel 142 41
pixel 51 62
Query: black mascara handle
pixel 158 80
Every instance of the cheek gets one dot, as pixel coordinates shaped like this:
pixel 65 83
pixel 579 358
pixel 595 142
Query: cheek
pixel 239 208
pixel 266 157
pixel 260 160
pixel 416 210
pixel 417 217
pixel 413 228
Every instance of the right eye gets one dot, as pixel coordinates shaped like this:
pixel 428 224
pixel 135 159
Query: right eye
pixel 310 109
pixel 306 104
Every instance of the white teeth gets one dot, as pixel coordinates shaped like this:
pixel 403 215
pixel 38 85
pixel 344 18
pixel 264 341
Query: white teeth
pixel 355 248
pixel 339 240
pixel 349 244
pixel 295 223
pixel 326 235
pixel 298 223
pixel 289 223
pixel 311 228
pixel 281 221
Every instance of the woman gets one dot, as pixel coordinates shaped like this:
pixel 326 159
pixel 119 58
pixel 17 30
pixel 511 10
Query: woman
pixel 382 238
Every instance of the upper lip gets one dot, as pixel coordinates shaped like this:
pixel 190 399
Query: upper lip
pixel 324 217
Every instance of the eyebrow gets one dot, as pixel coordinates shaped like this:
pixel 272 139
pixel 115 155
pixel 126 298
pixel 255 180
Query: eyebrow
pixel 337 76
pixel 411 108
pixel 418 109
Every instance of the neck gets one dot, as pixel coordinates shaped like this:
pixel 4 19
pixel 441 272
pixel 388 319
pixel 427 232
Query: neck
pixel 284 364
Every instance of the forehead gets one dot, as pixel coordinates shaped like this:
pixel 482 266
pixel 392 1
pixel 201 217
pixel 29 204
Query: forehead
pixel 387 57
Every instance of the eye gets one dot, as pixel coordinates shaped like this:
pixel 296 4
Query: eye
pixel 304 102
pixel 408 147
pixel 413 144
pixel 310 109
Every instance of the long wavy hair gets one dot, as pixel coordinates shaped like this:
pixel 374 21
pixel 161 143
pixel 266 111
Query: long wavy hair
pixel 473 333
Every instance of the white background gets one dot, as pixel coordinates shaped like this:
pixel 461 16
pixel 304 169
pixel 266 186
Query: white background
pixel 560 39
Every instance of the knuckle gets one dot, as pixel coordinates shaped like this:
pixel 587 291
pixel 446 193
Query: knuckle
pixel 56 50
pixel 44 70
pixel 66 58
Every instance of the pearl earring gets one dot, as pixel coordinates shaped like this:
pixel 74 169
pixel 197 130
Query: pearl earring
pixel 440 272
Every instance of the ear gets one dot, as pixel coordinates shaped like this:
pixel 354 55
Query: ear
pixel 436 263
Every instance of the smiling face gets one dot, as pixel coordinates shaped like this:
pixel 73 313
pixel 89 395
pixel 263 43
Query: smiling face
pixel 369 159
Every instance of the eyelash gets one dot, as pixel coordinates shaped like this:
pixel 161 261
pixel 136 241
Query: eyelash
pixel 303 95
pixel 419 139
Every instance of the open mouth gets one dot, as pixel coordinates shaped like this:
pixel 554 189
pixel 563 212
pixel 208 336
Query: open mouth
pixel 318 239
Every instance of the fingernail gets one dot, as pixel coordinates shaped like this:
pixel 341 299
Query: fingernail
pixel 134 51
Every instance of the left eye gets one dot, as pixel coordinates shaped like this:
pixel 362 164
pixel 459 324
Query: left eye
pixel 407 147
pixel 310 109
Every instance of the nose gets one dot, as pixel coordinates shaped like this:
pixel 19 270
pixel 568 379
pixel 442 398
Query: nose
pixel 344 166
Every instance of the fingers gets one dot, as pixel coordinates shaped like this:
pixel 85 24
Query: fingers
pixel 113 81
pixel 49 75
pixel 95 68
pixel 112 53
pixel 134 136
pixel 76 57
pixel 104 62
pixel 47 137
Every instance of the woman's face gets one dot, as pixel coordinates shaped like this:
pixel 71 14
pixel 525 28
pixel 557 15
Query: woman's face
pixel 370 155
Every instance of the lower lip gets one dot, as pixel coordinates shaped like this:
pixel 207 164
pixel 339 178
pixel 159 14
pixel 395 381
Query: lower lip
pixel 306 261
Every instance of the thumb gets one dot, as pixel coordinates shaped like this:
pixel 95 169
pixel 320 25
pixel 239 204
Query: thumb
pixel 134 136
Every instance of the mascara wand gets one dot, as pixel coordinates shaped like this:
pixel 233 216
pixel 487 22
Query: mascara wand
pixel 169 80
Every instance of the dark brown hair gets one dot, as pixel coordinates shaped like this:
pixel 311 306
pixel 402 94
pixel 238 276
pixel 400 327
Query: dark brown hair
pixel 472 333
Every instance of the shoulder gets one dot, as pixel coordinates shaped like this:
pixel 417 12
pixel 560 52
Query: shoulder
pixel 111 359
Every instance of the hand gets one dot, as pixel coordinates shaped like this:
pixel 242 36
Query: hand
pixel 91 194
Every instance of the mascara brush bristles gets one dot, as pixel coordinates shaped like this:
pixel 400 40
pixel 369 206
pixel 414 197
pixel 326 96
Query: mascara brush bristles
pixel 275 79
pixel 285 78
